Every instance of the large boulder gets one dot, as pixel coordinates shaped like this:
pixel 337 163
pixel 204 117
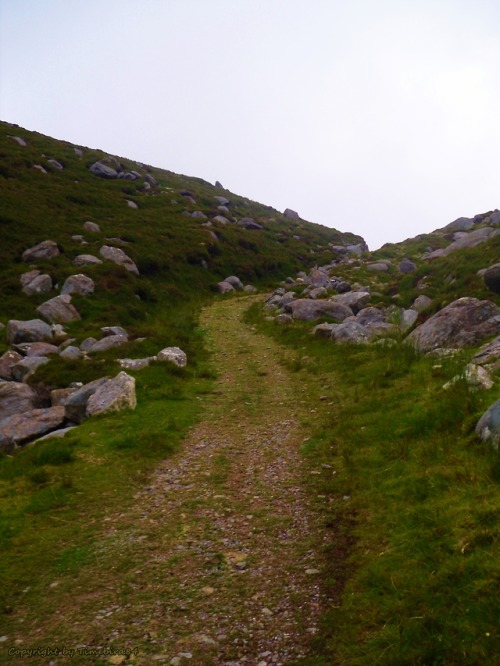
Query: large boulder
pixel 489 353
pixel 41 284
pixel 75 403
pixel 113 395
pixel 224 287
pixel 20 428
pixel 307 309
pixel 86 260
pixel 92 227
pixel 460 224
pixel 27 367
pixel 58 310
pixel 103 170
pixel 106 343
pixel 463 323
pixel 173 355
pixel 491 277
pixel 118 256
pixel 488 426
pixel 15 398
pixel 318 278
pixel 36 348
pixel 291 214
pixel 356 300
pixel 78 284
pixel 249 223
pixel 349 332
pixel 7 361
pixel 471 239
pixel 45 250
pixel 234 282
pixel 33 330
pixel 407 266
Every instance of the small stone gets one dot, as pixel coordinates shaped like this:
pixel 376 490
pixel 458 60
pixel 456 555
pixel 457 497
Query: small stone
pixel 312 572
pixel 3 639
pixel 266 611
pixel 208 590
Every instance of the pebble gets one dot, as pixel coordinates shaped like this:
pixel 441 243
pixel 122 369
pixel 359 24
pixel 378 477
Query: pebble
pixel 311 572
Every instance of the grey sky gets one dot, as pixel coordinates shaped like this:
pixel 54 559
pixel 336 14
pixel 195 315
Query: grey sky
pixel 373 116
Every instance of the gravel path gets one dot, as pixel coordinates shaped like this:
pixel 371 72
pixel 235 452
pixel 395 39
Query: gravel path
pixel 217 562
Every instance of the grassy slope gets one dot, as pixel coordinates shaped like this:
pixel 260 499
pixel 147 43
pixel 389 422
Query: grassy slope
pixel 421 492
pixel 53 495
pixel 415 494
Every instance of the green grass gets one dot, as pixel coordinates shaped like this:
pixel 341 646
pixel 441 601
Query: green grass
pixel 412 501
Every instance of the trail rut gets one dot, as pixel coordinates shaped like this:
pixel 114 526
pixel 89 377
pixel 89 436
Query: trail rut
pixel 218 561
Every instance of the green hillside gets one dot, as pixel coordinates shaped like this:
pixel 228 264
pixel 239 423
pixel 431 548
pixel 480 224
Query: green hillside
pixel 281 499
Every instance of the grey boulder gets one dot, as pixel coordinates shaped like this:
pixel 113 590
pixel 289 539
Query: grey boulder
pixel 33 330
pixel 488 426
pixel 58 310
pixel 113 395
pixel 306 309
pixel 118 256
pixel 86 260
pixel 20 428
pixel 41 284
pixel 78 284
pixel 7 361
pixel 356 300
pixel 173 355
pixel 46 250
pixel 15 398
pixel 106 343
pixel 27 367
pixel 75 404
pixel 92 227
pixel 103 171
pixel 491 277
pixel 462 323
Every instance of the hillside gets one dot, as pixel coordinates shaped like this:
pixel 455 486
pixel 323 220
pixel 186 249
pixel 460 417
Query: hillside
pixel 269 448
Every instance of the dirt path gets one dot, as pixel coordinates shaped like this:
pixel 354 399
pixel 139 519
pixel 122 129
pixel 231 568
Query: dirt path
pixel 217 563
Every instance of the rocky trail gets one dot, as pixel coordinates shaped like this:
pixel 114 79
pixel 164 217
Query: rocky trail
pixel 218 561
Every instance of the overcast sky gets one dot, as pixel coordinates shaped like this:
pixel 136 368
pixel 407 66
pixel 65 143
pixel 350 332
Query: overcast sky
pixel 380 117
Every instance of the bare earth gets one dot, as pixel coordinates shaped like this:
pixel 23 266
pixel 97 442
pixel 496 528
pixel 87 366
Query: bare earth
pixel 219 559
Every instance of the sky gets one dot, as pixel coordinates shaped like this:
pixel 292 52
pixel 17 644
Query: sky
pixel 379 117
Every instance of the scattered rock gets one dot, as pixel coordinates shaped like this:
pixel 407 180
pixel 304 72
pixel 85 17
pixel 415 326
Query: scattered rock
pixel 173 355
pixel 135 363
pixel 199 215
pixel 118 256
pixel 378 266
pixel 306 309
pixel 234 282
pixel 224 287
pixel 489 353
pixel 92 227
pixel 113 395
pixel 57 165
pixel 78 284
pixel 36 348
pixel 28 277
pixel 356 300
pixel 491 278
pixel 41 284
pixel 291 214
pixel 86 260
pixel 488 426
pixel 20 428
pixel 58 310
pixel 75 404
pixel 34 330
pixel 407 266
pixel 463 323
pixel 103 170
pixel 107 331
pixel 7 361
pixel 349 331
pixel 132 204
pixel 249 223
pixel 71 353
pixel 106 343
pixel 19 140
pixel 15 398
pixel 475 375
pixel 27 367
pixel 220 219
pixel 421 303
pixel 470 240
pixel 408 318
pixel 46 250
